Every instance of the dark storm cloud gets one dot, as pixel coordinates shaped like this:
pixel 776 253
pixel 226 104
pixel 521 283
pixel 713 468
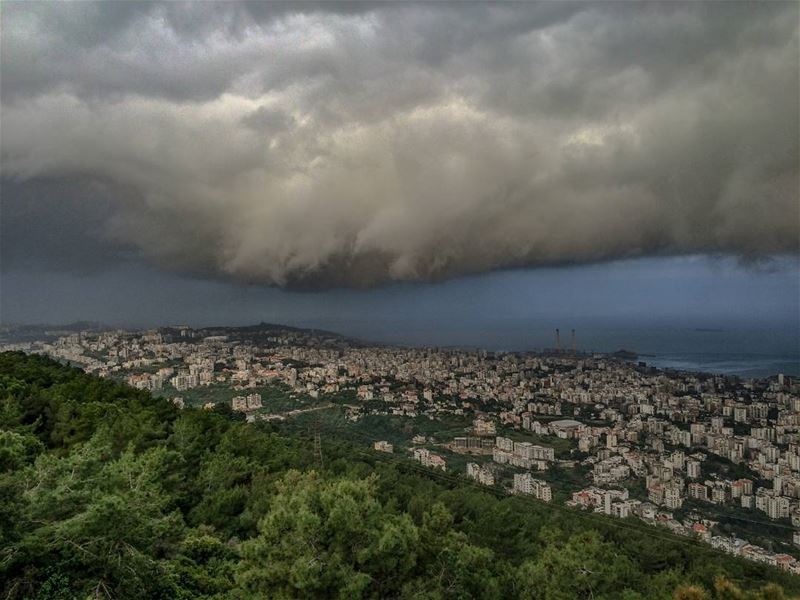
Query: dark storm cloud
pixel 59 224
pixel 331 144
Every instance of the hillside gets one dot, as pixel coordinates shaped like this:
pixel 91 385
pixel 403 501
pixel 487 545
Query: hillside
pixel 106 492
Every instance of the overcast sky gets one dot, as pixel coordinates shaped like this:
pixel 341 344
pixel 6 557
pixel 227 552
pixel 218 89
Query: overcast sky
pixel 228 149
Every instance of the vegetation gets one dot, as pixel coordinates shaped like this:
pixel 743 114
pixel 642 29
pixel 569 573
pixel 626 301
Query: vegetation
pixel 106 492
pixel 715 464
pixel 775 535
pixel 276 396
pixel 562 448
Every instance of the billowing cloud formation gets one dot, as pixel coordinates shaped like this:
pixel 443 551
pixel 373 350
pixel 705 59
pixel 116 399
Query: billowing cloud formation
pixel 354 144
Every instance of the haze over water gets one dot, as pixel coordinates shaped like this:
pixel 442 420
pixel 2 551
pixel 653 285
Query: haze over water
pixel 758 350
pixel 691 313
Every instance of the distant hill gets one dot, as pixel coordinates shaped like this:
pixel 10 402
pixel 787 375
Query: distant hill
pixel 25 333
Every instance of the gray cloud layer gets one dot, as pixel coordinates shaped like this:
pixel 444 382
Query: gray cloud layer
pixel 354 144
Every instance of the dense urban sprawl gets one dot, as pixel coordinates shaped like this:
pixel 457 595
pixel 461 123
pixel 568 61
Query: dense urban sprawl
pixel 707 456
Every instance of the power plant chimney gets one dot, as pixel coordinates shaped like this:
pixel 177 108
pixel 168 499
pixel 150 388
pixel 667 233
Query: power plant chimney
pixel 573 341
pixel 558 340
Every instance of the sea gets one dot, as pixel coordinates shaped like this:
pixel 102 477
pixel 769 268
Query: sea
pixel 755 349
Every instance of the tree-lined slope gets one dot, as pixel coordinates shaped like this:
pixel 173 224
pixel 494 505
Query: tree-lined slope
pixel 106 492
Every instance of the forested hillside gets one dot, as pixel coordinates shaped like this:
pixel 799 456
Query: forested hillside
pixel 106 492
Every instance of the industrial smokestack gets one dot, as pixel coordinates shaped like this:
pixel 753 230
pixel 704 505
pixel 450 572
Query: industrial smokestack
pixel 558 340
pixel 573 341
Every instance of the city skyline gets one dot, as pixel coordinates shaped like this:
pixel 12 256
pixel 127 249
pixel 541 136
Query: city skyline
pixel 416 300
pixel 691 453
